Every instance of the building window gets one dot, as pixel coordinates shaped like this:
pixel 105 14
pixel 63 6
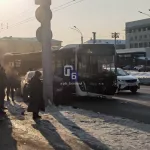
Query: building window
pixel 140 45
pixel 145 44
pixel 139 29
pixel 140 37
pixel 131 45
pixel 131 39
pixel 136 45
pixel 128 30
pixel 145 36
pixel 144 29
pixel 135 37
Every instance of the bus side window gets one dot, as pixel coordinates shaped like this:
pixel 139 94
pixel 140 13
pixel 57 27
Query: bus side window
pixel 59 72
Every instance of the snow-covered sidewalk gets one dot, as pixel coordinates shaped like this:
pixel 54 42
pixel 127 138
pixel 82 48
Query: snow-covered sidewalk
pixel 66 128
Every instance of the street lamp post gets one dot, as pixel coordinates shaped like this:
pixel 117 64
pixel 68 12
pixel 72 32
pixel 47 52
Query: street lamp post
pixel 79 31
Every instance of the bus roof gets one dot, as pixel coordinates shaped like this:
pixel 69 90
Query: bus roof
pixel 100 49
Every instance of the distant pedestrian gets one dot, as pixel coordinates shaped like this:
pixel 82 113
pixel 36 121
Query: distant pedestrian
pixel 36 102
pixel 11 83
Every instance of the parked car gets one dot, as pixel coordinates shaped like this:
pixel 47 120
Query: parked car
pixel 126 81
pixel 138 67
pixel 144 69
pixel 128 67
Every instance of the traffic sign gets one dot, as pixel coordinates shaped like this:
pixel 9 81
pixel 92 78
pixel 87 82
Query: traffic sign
pixel 41 14
pixel 43 2
pixel 39 34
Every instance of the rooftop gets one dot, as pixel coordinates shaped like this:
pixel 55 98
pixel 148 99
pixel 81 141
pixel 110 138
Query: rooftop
pixel 24 38
pixel 138 23
pixel 106 41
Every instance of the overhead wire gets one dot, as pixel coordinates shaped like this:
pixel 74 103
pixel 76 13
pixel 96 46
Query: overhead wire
pixel 63 4
pixel 18 15
pixel 61 7
pixel 30 9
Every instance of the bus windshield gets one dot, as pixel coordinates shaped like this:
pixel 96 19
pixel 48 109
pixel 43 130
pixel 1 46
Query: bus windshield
pixel 93 64
pixel 92 58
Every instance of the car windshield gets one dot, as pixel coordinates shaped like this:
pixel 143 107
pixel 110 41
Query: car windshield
pixel 31 74
pixel 120 72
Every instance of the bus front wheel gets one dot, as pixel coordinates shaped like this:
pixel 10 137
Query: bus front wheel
pixel 134 90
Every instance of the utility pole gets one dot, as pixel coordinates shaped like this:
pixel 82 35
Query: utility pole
pixel 44 35
pixel 115 36
pixel 81 39
pixel 94 37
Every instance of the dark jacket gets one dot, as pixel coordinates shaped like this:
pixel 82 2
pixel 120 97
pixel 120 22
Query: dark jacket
pixel 3 79
pixel 36 96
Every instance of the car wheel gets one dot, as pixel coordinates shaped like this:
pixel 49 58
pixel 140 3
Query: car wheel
pixel 134 90
pixel 25 94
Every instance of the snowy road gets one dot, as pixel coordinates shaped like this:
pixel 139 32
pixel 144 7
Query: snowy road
pixel 125 104
pixel 65 128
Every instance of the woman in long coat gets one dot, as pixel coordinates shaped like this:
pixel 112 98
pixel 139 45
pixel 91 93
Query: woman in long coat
pixel 36 103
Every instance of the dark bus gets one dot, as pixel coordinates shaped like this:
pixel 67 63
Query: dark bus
pixel 88 60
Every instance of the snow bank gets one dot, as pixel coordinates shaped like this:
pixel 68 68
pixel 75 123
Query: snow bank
pixel 104 131
pixel 95 130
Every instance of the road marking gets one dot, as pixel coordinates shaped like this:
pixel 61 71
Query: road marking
pixel 145 103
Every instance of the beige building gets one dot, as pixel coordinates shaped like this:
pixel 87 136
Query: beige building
pixel 23 45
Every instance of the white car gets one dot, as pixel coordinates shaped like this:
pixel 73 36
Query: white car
pixel 126 81
pixel 138 67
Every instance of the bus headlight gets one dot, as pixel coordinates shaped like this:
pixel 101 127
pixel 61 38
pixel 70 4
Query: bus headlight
pixel 82 86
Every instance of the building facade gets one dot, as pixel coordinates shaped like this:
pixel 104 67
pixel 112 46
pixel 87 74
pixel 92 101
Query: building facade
pixel 120 44
pixel 138 34
pixel 133 56
pixel 24 45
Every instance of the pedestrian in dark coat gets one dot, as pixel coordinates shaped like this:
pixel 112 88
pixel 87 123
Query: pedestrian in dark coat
pixel 36 103
pixel 3 82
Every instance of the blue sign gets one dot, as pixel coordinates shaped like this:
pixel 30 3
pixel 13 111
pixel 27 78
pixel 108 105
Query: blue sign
pixel 70 72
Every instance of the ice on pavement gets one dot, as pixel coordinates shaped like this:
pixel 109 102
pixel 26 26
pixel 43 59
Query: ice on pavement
pixel 90 130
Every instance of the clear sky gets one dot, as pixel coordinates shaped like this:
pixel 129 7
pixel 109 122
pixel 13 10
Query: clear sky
pixel 101 16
